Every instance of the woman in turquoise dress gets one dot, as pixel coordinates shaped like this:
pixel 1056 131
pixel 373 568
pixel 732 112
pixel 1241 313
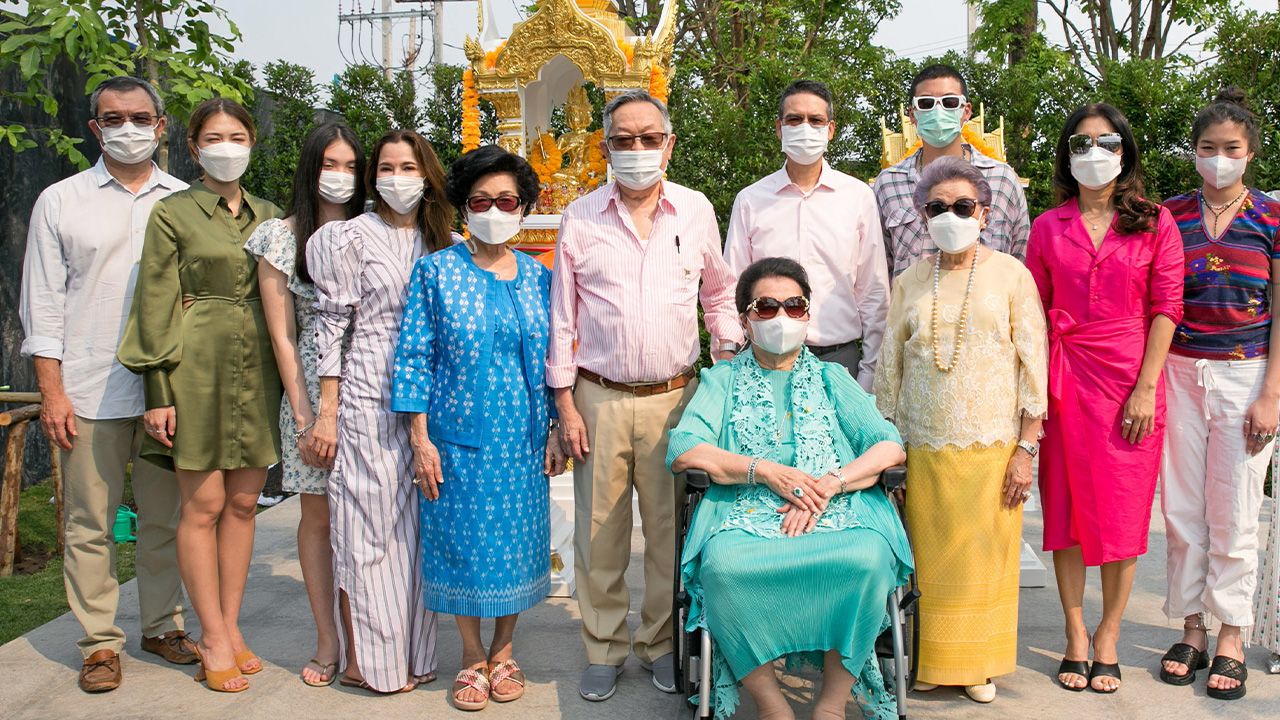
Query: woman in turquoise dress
pixel 794 448
pixel 469 368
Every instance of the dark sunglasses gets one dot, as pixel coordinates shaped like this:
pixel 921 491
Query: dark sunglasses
pixel 649 141
pixel 964 207
pixel 1081 144
pixel 767 307
pixel 928 102
pixel 480 203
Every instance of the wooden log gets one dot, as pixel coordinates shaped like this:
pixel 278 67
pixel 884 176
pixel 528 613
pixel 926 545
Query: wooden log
pixel 22 414
pixel 10 493
pixel 19 397
pixel 59 507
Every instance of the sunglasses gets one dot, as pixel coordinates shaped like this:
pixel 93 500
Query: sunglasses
pixel 929 102
pixel 964 207
pixel 649 141
pixel 480 203
pixel 766 307
pixel 1081 144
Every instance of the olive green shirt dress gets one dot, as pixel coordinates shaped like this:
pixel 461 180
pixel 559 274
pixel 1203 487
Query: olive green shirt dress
pixel 197 334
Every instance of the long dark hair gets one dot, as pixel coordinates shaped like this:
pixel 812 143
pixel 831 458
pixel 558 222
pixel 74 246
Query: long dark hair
pixel 434 214
pixel 305 200
pixel 1134 213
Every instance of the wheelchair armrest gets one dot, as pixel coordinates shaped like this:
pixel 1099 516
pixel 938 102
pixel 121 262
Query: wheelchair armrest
pixel 894 478
pixel 695 479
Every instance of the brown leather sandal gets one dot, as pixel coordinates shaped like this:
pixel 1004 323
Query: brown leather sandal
pixel 246 656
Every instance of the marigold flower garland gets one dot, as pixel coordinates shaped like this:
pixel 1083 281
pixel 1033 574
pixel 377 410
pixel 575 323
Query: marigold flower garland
pixel 470 112
pixel 658 83
pixel 545 157
pixel 597 168
pixel 970 136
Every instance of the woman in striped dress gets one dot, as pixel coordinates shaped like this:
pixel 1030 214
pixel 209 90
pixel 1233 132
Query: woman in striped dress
pixel 360 268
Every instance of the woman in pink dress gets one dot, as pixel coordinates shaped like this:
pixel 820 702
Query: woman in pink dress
pixel 1109 267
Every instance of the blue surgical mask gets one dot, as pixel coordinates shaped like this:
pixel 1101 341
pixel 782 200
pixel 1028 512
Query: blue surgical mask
pixel 939 126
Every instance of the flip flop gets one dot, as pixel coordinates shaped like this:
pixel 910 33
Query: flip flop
pixel 506 670
pixel 329 670
pixel 1073 667
pixel 473 679
pixel 1187 655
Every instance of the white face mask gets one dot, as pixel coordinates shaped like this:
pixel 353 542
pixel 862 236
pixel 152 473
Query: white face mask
pixel 804 143
pixel 402 193
pixel 954 234
pixel 494 227
pixel 780 334
pixel 1221 171
pixel 224 161
pixel 337 187
pixel 130 144
pixel 637 169
pixel 1096 168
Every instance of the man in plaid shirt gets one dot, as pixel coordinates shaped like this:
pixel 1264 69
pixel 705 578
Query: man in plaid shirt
pixel 939 108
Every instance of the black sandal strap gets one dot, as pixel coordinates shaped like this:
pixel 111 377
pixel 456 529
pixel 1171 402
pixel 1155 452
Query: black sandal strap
pixel 1229 668
pixel 1186 655
pixel 1101 669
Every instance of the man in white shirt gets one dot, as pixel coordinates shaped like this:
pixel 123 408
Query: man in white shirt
pixel 828 222
pixel 83 247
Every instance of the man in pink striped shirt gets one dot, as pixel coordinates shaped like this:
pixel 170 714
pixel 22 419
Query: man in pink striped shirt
pixel 630 260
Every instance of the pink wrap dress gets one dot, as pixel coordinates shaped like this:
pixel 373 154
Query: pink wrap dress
pixel 1096 487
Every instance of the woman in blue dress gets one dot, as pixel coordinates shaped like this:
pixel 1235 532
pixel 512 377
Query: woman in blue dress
pixel 794 448
pixel 469 368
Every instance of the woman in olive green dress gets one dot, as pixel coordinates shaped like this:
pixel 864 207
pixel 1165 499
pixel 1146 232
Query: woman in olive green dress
pixel 197 335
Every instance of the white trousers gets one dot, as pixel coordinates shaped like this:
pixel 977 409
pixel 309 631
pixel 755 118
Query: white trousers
pixel 1211 488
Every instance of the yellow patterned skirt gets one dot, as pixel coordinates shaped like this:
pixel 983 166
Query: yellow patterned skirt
pixel 967 548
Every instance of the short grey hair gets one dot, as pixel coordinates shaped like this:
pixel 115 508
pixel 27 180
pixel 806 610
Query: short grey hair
pixel 949 168
pixel 629 97
pixel 123 84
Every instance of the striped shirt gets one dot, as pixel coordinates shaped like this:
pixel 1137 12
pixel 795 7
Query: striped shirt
pixel 1226 306
pixel 906 237
pixel 630 305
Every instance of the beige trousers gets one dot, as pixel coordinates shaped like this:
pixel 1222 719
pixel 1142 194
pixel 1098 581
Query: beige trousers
pixel 627 436
pixel 94 474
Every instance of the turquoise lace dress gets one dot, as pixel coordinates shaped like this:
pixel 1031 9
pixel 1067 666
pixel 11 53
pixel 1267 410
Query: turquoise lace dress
pixel 765 596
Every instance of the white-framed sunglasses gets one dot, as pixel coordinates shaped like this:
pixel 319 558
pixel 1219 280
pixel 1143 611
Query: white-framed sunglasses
pixel 929 102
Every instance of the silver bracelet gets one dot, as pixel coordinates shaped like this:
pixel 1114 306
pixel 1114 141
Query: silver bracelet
pixel 840 477
pixel 751 471
pixel 297 435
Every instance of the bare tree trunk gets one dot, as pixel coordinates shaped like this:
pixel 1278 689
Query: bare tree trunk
pixel 1023 33
pixel 152 70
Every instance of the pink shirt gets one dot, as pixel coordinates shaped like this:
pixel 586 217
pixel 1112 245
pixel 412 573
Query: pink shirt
pixel 834 232
pixel 631 305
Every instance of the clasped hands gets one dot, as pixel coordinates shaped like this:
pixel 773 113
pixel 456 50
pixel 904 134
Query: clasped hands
pixel 800 511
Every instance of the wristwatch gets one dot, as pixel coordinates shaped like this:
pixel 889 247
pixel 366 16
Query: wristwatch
pixel 730 346
pixel 1032 448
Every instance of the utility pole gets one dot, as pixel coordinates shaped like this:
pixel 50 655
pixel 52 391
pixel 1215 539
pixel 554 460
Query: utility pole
pixel 386 38
pixel 437 33
pixel 972 25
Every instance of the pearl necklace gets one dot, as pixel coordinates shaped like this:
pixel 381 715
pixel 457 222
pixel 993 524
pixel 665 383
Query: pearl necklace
pixel 964 314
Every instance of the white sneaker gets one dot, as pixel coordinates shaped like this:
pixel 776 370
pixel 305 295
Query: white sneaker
pixel 981 693
pixel 924 687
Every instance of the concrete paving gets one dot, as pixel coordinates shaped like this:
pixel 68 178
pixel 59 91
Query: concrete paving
pixel 39 669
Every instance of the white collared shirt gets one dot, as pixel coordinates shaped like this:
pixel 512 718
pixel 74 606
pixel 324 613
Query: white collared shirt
pixel 77 283
pixel 833 231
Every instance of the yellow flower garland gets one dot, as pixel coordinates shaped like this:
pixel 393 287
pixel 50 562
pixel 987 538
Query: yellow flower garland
pixel 658 83
pixel 545 157
pixel 597 168
pixel 470 112
pixel 970 136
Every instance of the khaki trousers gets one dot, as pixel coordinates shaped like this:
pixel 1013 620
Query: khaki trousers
pixel 627 436
pixel 94 474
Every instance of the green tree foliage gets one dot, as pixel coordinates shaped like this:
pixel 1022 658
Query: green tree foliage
pixel 372 104
pixel 168 42
pixel 293 98
pixel 442 115
pixel 1248 48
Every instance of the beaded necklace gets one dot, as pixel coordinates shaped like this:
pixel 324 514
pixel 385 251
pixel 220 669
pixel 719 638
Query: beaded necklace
pixel 964 314
pixel 1218 210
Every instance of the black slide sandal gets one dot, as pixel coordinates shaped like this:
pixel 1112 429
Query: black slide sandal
pixel 1187 655
pixel 1101 669
pixel 1228 668
pixel 1074 667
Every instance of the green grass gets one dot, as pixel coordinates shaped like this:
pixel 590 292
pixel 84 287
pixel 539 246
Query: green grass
pixel 29 601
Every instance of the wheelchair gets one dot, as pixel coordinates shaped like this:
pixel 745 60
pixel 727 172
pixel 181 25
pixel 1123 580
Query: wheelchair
pixel 896 648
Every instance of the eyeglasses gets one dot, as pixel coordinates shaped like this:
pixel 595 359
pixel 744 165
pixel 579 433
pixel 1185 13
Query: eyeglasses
pixel 481 203
pixel 964 207
pixel 767 307
pixel 650 141
pixel 1081 144
pixel 794 120
pixel 928 102
pixel 114 121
